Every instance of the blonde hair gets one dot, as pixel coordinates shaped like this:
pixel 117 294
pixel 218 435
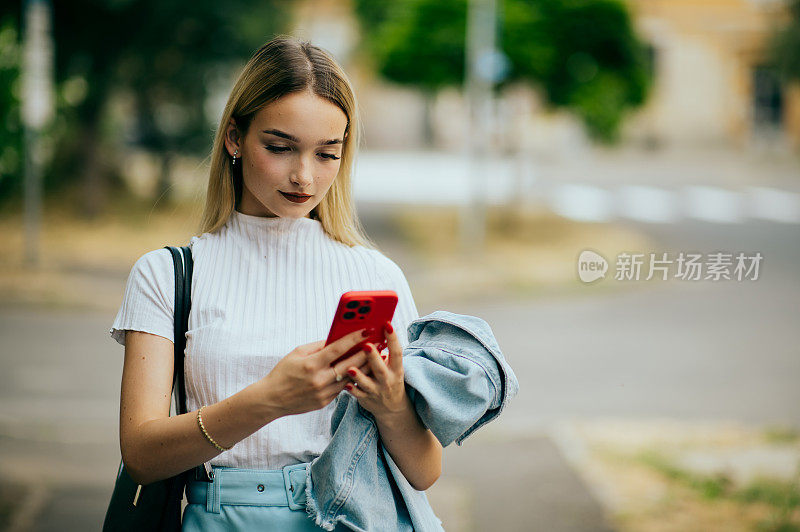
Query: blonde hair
pixel 282 66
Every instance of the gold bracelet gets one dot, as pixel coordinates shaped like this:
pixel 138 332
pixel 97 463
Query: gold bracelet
pixel 200 422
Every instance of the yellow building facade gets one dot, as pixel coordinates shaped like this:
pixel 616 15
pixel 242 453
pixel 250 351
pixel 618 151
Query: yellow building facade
pixel 713 82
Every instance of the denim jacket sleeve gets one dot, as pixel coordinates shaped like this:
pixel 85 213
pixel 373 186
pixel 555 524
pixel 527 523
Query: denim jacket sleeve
pixel 457 380
pixel 456 375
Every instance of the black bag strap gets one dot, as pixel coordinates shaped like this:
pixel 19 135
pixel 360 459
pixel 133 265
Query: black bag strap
pixel 157 506
pixel 182 259
pixel 184 265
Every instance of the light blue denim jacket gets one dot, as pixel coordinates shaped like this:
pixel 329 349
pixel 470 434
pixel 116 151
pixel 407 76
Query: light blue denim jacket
pixel 457 380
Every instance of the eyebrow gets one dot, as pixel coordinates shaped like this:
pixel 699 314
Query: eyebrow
pixel 279 133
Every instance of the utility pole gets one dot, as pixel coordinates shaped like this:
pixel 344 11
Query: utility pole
pixel 481 56
pixel 37 111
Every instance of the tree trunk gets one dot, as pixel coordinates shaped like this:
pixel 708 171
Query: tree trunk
pixel 427 119
pixel 164 195
pixel 95 183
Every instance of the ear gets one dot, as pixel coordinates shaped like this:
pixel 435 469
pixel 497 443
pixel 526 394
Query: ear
pixel 232 138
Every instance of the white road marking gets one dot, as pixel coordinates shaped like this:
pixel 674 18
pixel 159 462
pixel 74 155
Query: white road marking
pixel 431 178
pixel 648 204
pixel 713 204
pixel 774 204
pixel 582 202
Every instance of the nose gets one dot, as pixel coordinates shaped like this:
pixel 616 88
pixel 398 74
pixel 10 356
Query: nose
pixel 301 174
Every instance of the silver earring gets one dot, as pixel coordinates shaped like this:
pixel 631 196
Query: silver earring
pixel 233 162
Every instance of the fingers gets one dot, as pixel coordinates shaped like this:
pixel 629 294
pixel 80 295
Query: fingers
pixel 341 346
pixel 365 369
pixel 374 366
pixel 365 384
pixel 355 391
pixel 316 346
pixel 395 349
pixel 332 390
pixel 377 365
pixel 313 347
pixel 357 360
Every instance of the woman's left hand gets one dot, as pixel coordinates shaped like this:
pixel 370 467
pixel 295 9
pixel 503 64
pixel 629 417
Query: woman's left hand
pixel 384 393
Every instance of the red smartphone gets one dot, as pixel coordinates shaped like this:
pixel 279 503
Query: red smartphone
pixel 359 309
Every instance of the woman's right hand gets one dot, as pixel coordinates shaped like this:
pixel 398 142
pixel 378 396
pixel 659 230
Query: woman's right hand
pixel 303 380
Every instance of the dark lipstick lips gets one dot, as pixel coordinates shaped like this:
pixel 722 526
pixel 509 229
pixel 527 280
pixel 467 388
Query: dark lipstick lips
pixel 295 198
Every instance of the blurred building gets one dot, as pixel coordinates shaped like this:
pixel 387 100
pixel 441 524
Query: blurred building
pixel 713 82
pixel 713 85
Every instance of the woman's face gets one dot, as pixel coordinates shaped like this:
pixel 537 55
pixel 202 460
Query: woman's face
pixel 293 146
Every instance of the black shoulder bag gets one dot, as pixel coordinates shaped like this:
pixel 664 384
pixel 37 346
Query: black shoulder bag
pixel 157 506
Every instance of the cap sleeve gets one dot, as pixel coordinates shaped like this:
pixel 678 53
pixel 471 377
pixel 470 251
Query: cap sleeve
pixel 148 302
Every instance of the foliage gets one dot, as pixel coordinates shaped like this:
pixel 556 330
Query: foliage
pixel 783 496
pixel 785 45
pixel 583 54
pixel 162 54
pixel 10 127
pixel 417 42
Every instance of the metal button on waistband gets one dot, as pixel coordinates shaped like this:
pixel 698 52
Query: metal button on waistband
pixel 260 487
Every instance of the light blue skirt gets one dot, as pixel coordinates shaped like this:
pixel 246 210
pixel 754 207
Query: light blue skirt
pixel 249 499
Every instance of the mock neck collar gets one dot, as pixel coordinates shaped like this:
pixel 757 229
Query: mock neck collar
pixel 275 224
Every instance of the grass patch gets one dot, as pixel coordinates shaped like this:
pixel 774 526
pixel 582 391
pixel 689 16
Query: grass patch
pixel 126 229
pixel 783 497
pixel 779 434
pixel 83 262
pixel 709 486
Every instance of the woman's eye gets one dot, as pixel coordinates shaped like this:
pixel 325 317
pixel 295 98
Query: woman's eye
pixel 277 149
pixel 329 156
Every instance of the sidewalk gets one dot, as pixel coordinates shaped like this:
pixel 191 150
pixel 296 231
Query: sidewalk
pixel 488 484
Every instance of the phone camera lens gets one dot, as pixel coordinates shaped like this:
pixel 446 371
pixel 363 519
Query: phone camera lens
pixel 363 310
pixel 352 304
pixel 349 315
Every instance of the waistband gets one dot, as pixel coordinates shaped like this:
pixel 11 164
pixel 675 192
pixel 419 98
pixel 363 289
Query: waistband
pixel 251 487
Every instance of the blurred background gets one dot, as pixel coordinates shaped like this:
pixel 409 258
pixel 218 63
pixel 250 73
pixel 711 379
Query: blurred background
pixel 504 138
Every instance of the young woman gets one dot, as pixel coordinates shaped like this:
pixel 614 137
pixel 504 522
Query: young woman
pixel 279 243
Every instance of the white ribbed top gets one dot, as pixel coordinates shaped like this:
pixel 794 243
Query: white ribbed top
pixel 261 287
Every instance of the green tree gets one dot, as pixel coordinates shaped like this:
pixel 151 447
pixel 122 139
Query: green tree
pixel 10 130
pixel 160 51
pixel 418 43
pixel 785 45
pixel 583 54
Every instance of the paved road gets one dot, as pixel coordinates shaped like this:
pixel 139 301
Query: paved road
pixel 703 350
pixel 684 349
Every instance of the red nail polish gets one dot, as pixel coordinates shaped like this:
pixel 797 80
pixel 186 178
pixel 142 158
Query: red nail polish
pixel 389 328
pixel 365 332
pixel 348 387
pixel 351 372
